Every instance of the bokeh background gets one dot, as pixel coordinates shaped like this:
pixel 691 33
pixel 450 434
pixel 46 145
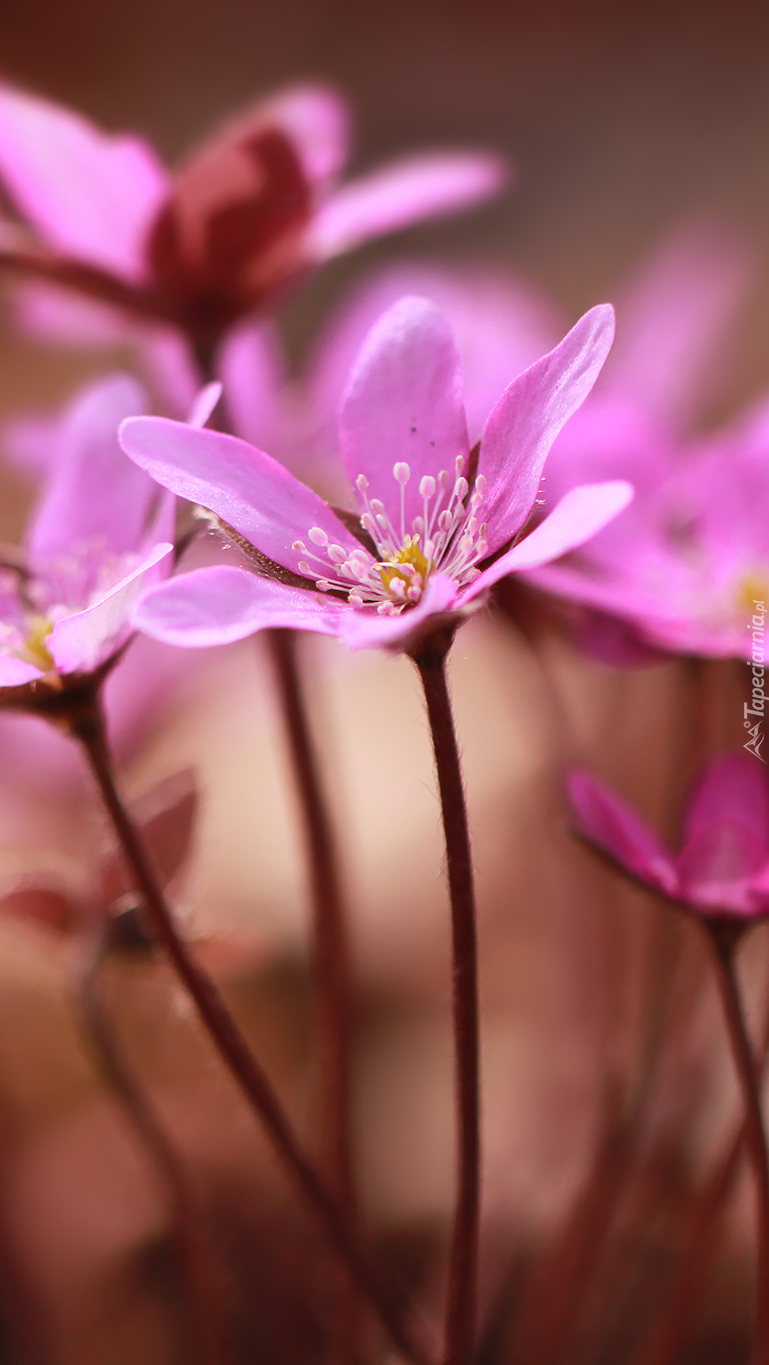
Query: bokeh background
pixel 622 121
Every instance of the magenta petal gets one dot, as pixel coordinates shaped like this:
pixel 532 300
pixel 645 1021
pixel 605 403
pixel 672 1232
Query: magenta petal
pixel 79 643
pixel 94 494
pixel 89 194
pixel 675 321
pixel 526 420
pixel 403 404
pixel 579 515
pixel 614 827
pixel 221 604
pixel 240 484
pixel 203 404
pixel 253 373
pixel 14 672
pixel 404 192
pixel 317 121
pixel 726 838
pixel 362 629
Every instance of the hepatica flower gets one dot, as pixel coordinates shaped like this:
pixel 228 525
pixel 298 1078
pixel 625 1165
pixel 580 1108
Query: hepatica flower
pixel 722 868
pixel 100 535
pixel 436 525
pixel 238 222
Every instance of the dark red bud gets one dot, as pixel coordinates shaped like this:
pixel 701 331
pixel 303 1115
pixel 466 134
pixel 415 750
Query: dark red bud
pixel 230 234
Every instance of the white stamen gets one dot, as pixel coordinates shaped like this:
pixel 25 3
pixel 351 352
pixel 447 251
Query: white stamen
pixel 318 536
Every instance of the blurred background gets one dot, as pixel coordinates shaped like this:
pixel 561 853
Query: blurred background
pixel 622 121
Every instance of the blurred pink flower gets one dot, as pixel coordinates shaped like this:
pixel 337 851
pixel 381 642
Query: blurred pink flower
pixel 247 214
pixel 689 567
pixel 99 536
pixel 431 520
pixel 723 865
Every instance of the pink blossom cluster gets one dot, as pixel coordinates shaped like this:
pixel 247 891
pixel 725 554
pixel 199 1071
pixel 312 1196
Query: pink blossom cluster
pixel 449 449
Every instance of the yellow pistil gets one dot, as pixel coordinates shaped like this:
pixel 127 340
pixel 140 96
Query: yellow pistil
pixel 35 643
pixel 411 554
pixel 753 588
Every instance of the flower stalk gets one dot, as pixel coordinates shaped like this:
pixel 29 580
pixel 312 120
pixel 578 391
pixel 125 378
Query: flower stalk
pixel 463 1267
pixel 85 723
pixel 724 937
pixel 331 958
pixel 203 1316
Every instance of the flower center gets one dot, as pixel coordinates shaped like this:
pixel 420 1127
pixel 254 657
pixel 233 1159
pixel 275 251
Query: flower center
pixel 408 563
pixel 445 536
pixel 35 644
pixel 751 589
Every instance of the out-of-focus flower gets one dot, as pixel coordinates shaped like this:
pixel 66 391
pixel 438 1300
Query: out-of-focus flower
pixel 241 220
pixel 436 525
pixel 691 568
pixel 723 865
pixel 99 536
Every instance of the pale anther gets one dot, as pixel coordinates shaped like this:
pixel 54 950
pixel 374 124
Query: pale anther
pixel 401 472
pixel 318 536
pixel 427 485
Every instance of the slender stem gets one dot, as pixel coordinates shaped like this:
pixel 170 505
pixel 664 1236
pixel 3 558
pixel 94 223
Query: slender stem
pixel 331 960
pixel 755 1134
pixel 205 1341
pixel 667 1342
pixel 463 1269
pixel 87 725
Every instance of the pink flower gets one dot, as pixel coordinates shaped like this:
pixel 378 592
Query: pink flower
pixel 98 538
pixel 723 865
pixel 691 568
pixel 432 533
pixel 680 570
pixel 241 219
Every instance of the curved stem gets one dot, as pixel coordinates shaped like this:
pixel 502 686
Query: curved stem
pixel 463 1270
pixel 331 960
pixel 86 724
pixel 204 1324
pixel 748 1072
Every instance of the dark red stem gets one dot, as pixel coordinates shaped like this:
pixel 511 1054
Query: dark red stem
pixel 86 724
pixel 749 1074
pixel 463 1268
pixel 204 1321
pixel 331 957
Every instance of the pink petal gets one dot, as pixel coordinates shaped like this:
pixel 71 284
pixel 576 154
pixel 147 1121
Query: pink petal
pixel 79 643
pixel 239 483
pixel 218 605
pixel 94 493
pixel 402 193
pixel 613 826
pixel 403 404
pixel 362 629
pixel 579 515
pixel 528 417
pixel 675 321
pixel 15 672
pixel 253 373
pixel 203 404
pixel 317 121
pixel 726 837
pixel 500 327
pixel 89 194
